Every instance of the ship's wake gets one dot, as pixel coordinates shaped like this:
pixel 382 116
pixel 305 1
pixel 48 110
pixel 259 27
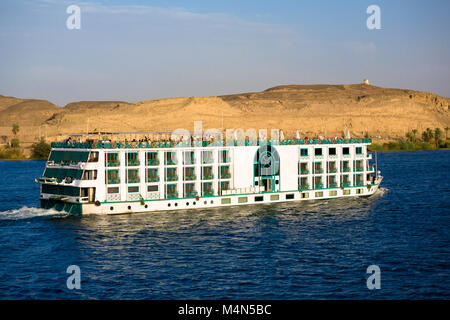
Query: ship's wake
pixel 31 212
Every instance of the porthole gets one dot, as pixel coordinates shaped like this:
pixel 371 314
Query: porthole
pixel 146 206
pixel 168 204
pixel 204 202
pixel 193 203
pixel 111 208
pixel 176 204
pixel 187 203
pixel 129 207
pixel 212 202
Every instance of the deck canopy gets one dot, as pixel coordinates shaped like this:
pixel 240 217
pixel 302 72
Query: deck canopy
pixel 75 156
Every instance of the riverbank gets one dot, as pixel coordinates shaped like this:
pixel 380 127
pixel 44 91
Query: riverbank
pixel 407 146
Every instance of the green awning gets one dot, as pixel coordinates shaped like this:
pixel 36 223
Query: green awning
pixel 76 156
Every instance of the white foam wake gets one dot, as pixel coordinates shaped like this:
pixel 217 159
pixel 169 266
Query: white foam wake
pixel 30 212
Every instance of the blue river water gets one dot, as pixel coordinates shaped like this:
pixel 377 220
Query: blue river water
pixel 302 250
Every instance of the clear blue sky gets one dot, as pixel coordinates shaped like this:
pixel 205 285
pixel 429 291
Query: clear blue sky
pixel 135 50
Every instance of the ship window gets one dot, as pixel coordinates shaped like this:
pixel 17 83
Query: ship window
pixel 133 189
pixel 152 188
pixel 152 155
pixel 170 158
pixel 290 196
pixel 333 193
pixel 346 192
pixel 207 157
pixel 319 194
pixel 225 185
pixel 358 150
pixel 358 191
pixel 61 190
pixel 318 151
pixel 151 175
pixel 89 175
pixel 259 198
pixel 346 150
pixel 332 151
pixel 189 157
pixel 226 200
pixel 304 152
pixel 224 156
pixel 132 159
pixel 133 176
pixel 305 195
pixel 93 156
pixel 113 190
pixel 84 192
pixel 274 197
pixel 242 199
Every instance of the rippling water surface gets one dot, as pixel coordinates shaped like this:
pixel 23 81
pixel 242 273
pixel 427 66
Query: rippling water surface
pixel 303 250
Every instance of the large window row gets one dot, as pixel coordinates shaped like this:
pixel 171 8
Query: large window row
pixel 306 168
pixel 330 181
pixel 170 158
pixel 332 152
pixel 171 174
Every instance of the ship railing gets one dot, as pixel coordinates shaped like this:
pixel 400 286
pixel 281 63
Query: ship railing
pixel 191 194
pixel 152 162
pixel 189 177
pixel 113 181
pixel 112 163
pixel 208 193
pixel 172 144
pixel 171 162
pixel 171 195
pixel 133 180
pixel 172 178
pixel 332 185
pixel 133 163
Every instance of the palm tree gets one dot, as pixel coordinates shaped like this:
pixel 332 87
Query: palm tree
pixel 414 132
pixel 409 136
pixel 427 135
pixel 437 136
pixel 15 129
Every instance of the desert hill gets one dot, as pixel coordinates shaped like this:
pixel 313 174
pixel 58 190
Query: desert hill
pixel 327 110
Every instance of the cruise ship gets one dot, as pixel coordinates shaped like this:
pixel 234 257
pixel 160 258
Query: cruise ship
pixel 106 177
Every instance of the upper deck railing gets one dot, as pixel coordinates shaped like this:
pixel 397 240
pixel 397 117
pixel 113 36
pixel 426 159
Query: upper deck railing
pixel 173 144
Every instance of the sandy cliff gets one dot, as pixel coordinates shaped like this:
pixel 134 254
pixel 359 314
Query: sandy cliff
pixel 326 110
